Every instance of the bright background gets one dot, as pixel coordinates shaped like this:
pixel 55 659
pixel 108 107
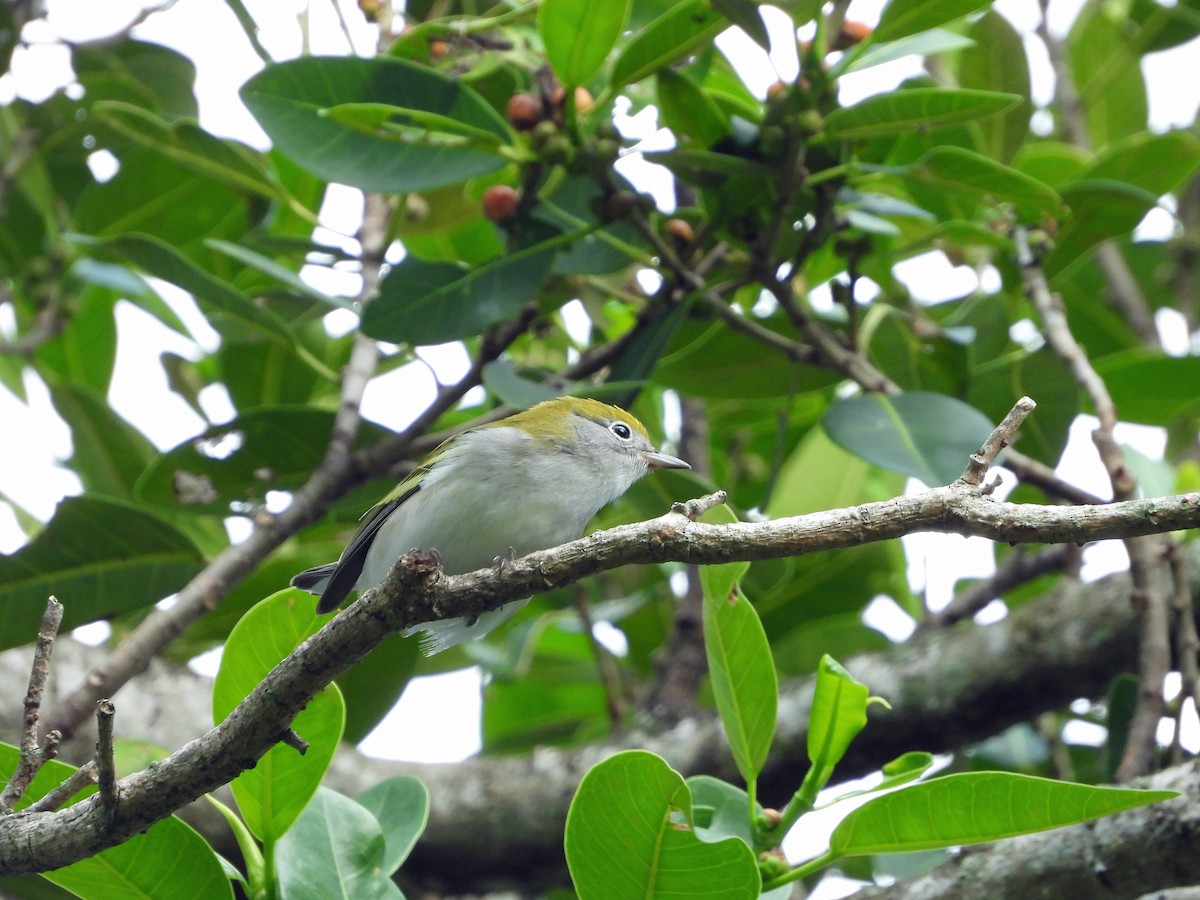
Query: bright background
pixel 35 440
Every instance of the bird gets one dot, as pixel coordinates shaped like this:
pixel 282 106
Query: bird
pixel 494 493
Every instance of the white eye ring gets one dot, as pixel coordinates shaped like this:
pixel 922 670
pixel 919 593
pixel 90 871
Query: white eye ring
pixel 621 430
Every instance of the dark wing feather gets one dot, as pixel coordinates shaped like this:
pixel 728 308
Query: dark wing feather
pixel 354 557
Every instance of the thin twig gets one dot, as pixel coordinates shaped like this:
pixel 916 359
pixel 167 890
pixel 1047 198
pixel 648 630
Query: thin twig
pixel 1020 567
pixel 1187 644
pixel 291 739
pixel 32 756
pixel 106 769
pixel 1145 554
pixel 1000 438
pixel 85 775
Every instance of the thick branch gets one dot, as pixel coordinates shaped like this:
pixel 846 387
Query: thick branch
pixel 416 591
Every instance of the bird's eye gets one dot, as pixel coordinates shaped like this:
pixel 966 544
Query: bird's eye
pixel 621 430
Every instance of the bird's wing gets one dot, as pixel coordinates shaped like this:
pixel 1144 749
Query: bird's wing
pixel 347 569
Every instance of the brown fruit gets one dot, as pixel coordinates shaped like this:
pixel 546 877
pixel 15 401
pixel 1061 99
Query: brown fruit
pixel 853 33
pixel 583 100
pixel 438 49
pixel 775 91
pixel 524 111
pixel 499 202
pixel 679 231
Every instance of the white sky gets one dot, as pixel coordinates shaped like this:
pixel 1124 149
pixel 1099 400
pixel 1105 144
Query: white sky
pixel 205 30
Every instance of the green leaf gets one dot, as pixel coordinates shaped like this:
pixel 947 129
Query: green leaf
pixel 677 32
pixel 724 807
pixel 839 713
pixel 170 859
pixel 401 806
pixel 688 111
pixel 155 194
pixel 85 350
pixel 1041 375
pixel 288 100
pixel 190 146
pixel 577 36
pixel 963 171
pixel 503 380
pixel 904 17
pixel 746 16
pixel 748 370
pixel 422 302
pixel 1107 75
pixel 927 436
pixel 143 74
pixel 1099 210
pixel 927 43
pixel 336 849
pixel 101 558
pixel 1156 163
pixel 739 662
pixel 900 771
pixel 252 855
pixel 629 837
pixel 1149 387
pixel 264 449
pixel 272 794
pixel 924 108
pixel 109 454
pixel 160 259
pixel 974 807
pixel 277 271
pixel 998 63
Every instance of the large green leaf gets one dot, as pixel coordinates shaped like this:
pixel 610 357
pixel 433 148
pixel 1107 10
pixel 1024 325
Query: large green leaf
pixel 335 850
pixel 189 145
pixel 1040 375
pixel 156 194
pixel 272 794
pixel 578 35
pixel 748 369
pixel 167 860
pixel 290 101
pixel 146 75
pixel 1156 163
pixel 401 806
pixel 688 111
pixel 904 17
pixel 1099 210
pixel 629 837
pixel 1107 75
pixel 997 63
pixel 101 558
pixel 973 807
pixel 1151 388
pixel 158 258
pixel 423 302
pixel 924 108
pixel 953 169
pixel 109 454
pixel 927 436
pixel 677 32
pixel 739 662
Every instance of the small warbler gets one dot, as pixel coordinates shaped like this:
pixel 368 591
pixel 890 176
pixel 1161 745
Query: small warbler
pixel 498 491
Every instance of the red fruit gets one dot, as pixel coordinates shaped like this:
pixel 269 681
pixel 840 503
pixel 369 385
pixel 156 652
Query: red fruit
pixel 499 202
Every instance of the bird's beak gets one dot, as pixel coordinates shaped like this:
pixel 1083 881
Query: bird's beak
pixel 657 460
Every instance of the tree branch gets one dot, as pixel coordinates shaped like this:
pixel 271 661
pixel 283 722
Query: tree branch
pixel 417 591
